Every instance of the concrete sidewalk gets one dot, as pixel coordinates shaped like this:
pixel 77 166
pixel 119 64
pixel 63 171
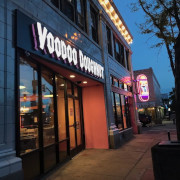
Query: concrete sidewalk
pixel 132 161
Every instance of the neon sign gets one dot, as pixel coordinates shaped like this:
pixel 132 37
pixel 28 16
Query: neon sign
pixel 59 50
pixel 142 87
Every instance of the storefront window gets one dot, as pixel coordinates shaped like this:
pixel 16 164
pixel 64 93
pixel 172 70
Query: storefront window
pixel 29 137
pixel 118 112
pixel 43 129
pixel 128 120
pixel 123 111
pixel 47 107
pixel 61 108
pixel 121 85
pixel 114 106
pixel 115 82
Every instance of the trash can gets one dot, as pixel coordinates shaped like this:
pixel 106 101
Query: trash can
pixel 166 160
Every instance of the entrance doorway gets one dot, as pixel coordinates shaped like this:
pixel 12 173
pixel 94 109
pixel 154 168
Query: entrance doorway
pixel 50 118
pixel 75 120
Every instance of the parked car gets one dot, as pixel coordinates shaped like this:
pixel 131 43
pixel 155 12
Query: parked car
pixel 144 119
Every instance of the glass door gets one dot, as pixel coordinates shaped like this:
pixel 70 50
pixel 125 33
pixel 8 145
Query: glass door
pixel 48 128
pixel 74 126
pixel 74 117
pixel 78 123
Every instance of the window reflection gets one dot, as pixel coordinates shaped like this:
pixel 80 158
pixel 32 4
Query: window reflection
pixel 128 119
pixel 123 111
pixel 116 82
pixel 28 107
pixel 118 111
pixel 47 108
pixel 114 106
pixel 61 108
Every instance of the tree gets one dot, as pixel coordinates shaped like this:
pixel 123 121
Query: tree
pixel 162 19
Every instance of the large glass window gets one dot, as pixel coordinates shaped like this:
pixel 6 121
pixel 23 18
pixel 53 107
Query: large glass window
pixel 61 108
pixel 121 111
pixel 118 112
pixel 60 86
pixel 29 137
pixel 114 106
pixel 47 107
pixel 128 119
pixel 115 82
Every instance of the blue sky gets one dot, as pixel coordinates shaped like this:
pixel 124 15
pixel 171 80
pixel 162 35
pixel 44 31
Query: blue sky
pixel 143 55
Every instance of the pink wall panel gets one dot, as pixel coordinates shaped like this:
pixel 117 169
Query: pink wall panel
pixel 95 124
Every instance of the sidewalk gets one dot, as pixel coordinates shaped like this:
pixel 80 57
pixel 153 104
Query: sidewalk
pixel 132 161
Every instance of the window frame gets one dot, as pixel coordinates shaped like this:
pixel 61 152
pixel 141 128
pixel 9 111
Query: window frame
pixel 94 12
pixel 109 41
pixel 127 60
pixel 119 56
pixel 62 7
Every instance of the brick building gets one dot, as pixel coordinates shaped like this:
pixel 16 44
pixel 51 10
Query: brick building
pixel 153 104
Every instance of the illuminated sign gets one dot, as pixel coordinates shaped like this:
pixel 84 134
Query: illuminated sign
pixel 58 49
pixel 142 87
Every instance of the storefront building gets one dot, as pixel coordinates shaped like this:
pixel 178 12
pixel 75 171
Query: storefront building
pixel 149 100
pixel 66 83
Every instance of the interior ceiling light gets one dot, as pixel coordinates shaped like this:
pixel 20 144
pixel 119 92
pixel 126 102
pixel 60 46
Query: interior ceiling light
pixel 116 19
pixel 22 87
pixel 48 95
pixel 61 85
pixel 72 76
pixel 84 82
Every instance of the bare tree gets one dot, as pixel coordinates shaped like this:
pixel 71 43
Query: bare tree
pixel 162 19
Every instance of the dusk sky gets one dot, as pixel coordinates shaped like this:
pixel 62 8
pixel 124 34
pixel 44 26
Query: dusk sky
pixel 143 55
